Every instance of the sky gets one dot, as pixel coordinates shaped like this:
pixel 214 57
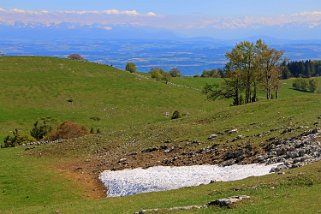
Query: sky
pixel 214 18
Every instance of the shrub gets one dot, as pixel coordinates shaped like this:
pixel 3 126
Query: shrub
pixel 68 130
pixel 211 73
pixel 160 74
pixel 302 84
pixel 131 67
pixel 76 57
pixel 157 73
pixel 16 139
pixel 176 115
pixel 39 132
pixel 313 85
pixel 174 72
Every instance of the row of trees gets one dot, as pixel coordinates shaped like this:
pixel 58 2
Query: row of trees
pixel 157 72
pixel 249 67
pixel 308 68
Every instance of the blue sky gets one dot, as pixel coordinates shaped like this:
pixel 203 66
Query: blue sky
pixel 217 18
pixel 174 7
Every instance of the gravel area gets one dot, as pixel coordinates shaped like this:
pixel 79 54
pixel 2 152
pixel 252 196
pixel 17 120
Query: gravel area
pixel 161 178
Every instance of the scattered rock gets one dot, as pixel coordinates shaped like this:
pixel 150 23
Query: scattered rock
pixel 213 136
pixel 227 202
pixel 232 131
pixel 172 209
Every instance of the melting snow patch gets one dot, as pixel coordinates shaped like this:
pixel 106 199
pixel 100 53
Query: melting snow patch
pixel 161 178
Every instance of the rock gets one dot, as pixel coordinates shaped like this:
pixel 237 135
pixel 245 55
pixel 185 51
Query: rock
pixel 123 160
pixel 279 168
pixel 148 150
pixel 232 131
pixel 227 163
pixel 227 202
pixel 213 136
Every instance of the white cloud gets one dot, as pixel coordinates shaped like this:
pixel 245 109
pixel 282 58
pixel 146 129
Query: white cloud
pixel 111 17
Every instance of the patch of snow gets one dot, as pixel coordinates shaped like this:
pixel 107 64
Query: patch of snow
pixel 161 178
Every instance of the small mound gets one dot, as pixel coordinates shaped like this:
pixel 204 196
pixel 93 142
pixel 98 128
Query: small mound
pixel 68 130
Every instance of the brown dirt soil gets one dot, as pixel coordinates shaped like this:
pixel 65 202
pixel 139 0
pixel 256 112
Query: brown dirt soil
pixel 80 174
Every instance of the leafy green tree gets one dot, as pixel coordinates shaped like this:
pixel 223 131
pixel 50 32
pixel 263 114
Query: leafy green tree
pixel 131 67
pixel 157 73
pixel 249 66
pixel 175 72
pixel 166 77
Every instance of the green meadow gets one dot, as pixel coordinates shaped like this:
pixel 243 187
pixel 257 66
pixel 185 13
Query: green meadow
pixel 131 106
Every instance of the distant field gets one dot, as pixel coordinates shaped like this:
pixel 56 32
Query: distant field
pixel 53 178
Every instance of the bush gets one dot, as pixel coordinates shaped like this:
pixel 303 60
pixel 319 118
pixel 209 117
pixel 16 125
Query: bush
pixel 16 139
pixel 76 57
pixel 302 84
pixel 176 115
pixel 212 73
pixel 39 132
pixel 160 74
pixel 157 73
pixel 313 85
pixel 131 67
pixel 68 130
pixel 174 72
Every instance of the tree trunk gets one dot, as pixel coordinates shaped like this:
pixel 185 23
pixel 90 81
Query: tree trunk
pixel 254 93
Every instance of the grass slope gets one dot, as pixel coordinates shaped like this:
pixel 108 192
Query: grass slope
pixel 132 109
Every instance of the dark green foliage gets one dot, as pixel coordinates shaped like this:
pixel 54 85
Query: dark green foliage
pixel 131 67
pixel 16 139
pixel 175 72
pixel 214 73
pixel 40 131
pixel 308 68
pixel 176 115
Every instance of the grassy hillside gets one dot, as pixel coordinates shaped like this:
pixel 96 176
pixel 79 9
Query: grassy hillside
pixel 36 87
pixel 61 178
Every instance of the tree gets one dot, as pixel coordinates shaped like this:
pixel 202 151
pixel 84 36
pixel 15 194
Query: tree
pixel 269 63
pixel 214 73
pixel 175 72
pixel 166 77
pixel 131 67
pixel 76 57
pixel 249 66
pixel 157 73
